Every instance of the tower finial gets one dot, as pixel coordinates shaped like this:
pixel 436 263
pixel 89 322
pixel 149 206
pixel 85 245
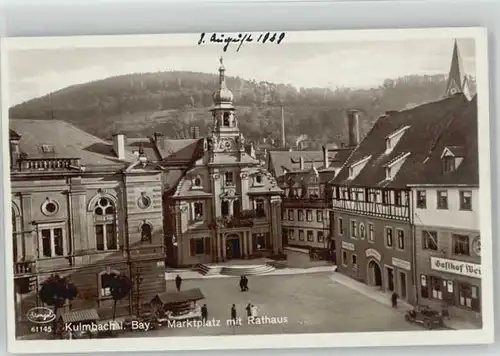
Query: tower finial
pixel 222 78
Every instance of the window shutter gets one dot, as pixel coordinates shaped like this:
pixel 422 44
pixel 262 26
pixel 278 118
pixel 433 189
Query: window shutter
pixel 192 245
pixel 208 249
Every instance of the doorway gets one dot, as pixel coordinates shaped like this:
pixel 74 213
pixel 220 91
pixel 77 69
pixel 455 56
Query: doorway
pixel 390 278
pixel 402 285
pixel 233 247
pixel 375 274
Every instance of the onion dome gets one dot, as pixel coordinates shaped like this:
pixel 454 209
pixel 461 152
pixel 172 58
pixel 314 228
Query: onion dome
pixel 223 94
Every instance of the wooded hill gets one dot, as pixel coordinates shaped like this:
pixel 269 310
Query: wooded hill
pixel 170 102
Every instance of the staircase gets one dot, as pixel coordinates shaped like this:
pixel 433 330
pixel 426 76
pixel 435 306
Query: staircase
pixel 206 270
pixel 277 264
pixel 246 270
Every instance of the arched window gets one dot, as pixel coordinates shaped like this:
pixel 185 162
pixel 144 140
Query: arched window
pixel 224 208
pixel 106 279
pixel 226 119
pixel 105 225
pixel 146 232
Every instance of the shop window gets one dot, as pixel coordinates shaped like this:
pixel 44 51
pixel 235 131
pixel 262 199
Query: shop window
pixel 468 296
pixel 354 261
pixel 436 285
pixel 424 288
pixel 344 258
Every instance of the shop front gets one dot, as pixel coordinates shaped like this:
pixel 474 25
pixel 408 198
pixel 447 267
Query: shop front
pixel 454 285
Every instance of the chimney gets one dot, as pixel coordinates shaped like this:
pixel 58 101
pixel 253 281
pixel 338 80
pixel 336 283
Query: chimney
pixel 119 145
pixel 283 137
pixel 326 161
pixel 301 163
pixel 194 132
pixel 353 127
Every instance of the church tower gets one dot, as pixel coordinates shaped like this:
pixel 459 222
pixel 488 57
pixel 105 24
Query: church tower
pixel 455 83
pixel 226 138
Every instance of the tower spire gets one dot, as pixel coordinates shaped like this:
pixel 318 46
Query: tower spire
pixel 222 73
pixel 455 80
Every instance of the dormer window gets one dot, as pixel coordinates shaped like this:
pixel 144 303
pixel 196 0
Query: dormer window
pixel 392 168
pixel 392 140
pixel 452 157
pixel 197 183
pixel 449 164
pixel 258 179
pixel 47 148
pixel 357 167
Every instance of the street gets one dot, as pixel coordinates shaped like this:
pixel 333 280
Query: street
pixel 311 303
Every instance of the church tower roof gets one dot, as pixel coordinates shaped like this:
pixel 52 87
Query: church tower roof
pixel 455 83
pixel 222 97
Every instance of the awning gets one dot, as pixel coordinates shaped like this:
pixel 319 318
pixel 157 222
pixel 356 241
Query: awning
pixel 189 295
pixel 80 316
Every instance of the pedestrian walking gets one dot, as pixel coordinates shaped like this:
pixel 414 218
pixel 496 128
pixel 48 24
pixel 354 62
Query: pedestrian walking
pixel 233 313
pixel 204 312
pixel 249 310
pixel 242 283
pixel 178 282
pixel 254 310
pixel 394 300
pixel 245 283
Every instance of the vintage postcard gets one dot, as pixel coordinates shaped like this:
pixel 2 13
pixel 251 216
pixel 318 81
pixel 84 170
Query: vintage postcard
pixel 199 190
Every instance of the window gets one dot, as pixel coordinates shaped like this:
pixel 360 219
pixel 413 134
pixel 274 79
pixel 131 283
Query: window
pixel 309 215
pixel 319 215
pixel 52 241
pixel 460 244
pixel 449 164
pixel 226 119
pixel 200 246
pixel 362 231
pixel 436 288
pixel 430 241
pixel 421 199
pixel 371 232
pixel 301 215
pixel 291 234
pixel 224 208
pixel 344 258
pixel 261 240
pixel 386 197
pixel 354 262
pixel 321 237
pixel 50 207
pixel 106 283
pixel 290 214
pixel 468 296
pixel 398 197
pixel 197 182
pixel 354 229
pixel 340 226
pixel 146 233
pixel 442 199
pixel 401 239
pixel 310 236
pixel 466 200
pixel 105 225
pixel 424 289
pixel 301 235
pixel 258 179
pixel 198 211
pixel 47 149
pixel 229 178
pixel 259 208
pixel 388 236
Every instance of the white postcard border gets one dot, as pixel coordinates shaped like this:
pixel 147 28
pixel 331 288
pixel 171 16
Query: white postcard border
pixel 358 339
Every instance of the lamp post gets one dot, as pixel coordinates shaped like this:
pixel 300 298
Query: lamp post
pixel 138 281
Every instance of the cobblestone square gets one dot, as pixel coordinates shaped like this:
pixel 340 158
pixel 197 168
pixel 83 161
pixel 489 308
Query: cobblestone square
pixel 312 303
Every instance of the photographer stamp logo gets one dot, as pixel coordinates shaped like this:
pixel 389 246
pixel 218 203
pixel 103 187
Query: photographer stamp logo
pixel 41 315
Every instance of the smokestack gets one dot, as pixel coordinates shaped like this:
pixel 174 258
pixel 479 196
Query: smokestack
pixel 353 127
pixel 195 132
pixel 283 137
pixel 301 163
pixel 326 161
pixel 119 145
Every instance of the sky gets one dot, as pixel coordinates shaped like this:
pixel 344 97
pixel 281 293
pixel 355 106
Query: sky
pixel 35 71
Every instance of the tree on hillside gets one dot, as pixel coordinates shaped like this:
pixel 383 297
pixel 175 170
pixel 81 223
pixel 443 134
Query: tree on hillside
pixel 120 287
pixel 55 291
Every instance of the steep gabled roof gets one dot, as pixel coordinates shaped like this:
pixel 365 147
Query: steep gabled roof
pixel 462 138
pixel 427 122
pixel 290 160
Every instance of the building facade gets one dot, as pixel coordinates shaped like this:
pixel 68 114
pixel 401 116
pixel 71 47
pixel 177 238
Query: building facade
pixel 223 204
pixel 83 208
pixel 447 229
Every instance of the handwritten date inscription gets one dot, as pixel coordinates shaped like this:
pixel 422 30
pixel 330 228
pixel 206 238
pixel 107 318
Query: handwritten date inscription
pixel 240 39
